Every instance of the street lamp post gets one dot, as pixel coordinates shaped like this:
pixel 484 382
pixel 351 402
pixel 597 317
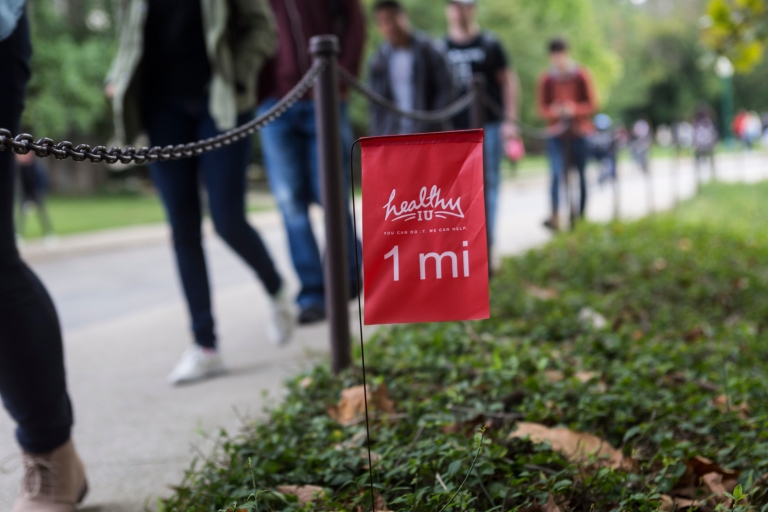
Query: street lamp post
pixel 724 70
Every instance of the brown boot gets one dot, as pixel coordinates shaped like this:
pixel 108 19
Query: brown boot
pixel 53 481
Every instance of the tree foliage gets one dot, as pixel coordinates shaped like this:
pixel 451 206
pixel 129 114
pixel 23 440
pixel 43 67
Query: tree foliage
pixel 73 44
pixel 738 29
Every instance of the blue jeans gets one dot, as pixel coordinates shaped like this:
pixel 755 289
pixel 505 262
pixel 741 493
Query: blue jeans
pixel 578 153
pixel 492 151
pixel 222 173
pixel 290 153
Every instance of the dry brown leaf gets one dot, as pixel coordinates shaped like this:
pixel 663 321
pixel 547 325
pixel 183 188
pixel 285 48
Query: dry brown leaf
pixel 723 404
pixel 379 505
pixel 549 506
pixel 542 293
pixel 305 493
pixel 579 447
pixel 306 382
pixel 637 335
pixel 351 407
pixel 553 375
pixel 670 504
pixel 694 334
pixel 713 483
pixel 700 466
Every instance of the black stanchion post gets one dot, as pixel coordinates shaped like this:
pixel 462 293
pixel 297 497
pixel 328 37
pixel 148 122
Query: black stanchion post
pixel 477 120
pixel 334 199
pixel 477 110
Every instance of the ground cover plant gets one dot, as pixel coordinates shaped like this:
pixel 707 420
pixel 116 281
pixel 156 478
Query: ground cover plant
pixel 623 369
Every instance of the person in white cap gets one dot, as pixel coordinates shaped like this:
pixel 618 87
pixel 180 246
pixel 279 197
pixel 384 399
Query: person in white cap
pixel 471 51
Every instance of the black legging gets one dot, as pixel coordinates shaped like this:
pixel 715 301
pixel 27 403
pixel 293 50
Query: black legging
pixel 32 382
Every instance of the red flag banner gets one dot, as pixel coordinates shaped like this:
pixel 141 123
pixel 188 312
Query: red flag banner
pixel 425 253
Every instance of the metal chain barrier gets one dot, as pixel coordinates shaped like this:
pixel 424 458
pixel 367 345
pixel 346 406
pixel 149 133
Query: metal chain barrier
pixel 529 131
pixel 436 116
pixel 24 143
pixel 45 147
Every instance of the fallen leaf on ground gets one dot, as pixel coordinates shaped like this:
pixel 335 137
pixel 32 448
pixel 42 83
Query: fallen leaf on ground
pixel 379 505
pixel 306 382
pixel 549 506
pixel 723 404
pixel 694 334
pixel 585 377
pixel 670 504
pixel 592 318
pixel 542 293
pixel 553 375
pixel 305 493
pixel 579 447
pixel 351 407
pixel 700 466
pixel 713 483
pixel 469 427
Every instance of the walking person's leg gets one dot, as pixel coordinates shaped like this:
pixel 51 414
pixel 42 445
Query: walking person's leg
pixel 170 122
pixel 555 154
pixel 286 147
pixel 32 377
pixel 224 176
pixel 579 158
pixel 492 169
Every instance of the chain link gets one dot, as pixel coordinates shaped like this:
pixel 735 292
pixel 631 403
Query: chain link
pixel 436 116
pixel 24 143
pixel 528 131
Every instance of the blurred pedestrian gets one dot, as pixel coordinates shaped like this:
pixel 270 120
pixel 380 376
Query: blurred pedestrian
pixel 603 147
pixel 33 185
pixel 566 100
pixel 32 378
pixel 641 143
pixel 472 51
pixel 186 70
pixel 407 69
pixel 705 139
pixel 289 143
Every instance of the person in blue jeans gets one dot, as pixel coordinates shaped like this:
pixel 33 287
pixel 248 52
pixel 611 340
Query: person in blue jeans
pixel 289 143
pixel 290 153
pixel 191 79
pixel 472 51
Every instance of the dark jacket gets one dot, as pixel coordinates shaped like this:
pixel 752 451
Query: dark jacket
pixel 432 81
pixel 297 22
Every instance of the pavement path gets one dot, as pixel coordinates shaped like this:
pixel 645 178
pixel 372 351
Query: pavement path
pixel 125 325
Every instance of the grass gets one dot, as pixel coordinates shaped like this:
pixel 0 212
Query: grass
pixel 677 372
pixel 83 214
pixel 71 215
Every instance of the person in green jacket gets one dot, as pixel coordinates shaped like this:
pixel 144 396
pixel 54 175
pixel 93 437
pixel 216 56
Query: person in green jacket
pixel 186 70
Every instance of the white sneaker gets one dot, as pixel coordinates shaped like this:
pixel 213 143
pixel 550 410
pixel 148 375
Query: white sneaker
pixel 197 363
pixel 283 319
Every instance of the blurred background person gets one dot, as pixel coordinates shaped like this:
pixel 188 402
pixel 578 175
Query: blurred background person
pixel 566 98
pixel 640 144
pixel 33 185
pixel 186 70
pixel 603 147
pixel 407 69
pixel 705 138
pixel 471 51
pixel 289 143
pixel 32 377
